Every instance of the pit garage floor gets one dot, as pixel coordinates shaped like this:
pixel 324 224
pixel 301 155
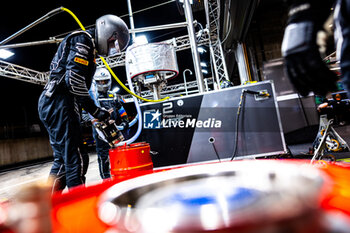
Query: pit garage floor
pixel 301 150
pixel 13 179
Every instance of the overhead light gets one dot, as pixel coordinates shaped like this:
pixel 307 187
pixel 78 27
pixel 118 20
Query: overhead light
pixel 4 54
pixel 203 64
pixel 182 1
pixel 204 71
pixel 142 39
pixel 201 50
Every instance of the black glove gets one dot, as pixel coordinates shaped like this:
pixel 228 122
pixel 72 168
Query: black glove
pixel 125 125
pixel 101 114
pixel 303 63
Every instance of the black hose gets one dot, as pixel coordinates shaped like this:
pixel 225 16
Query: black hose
pixel 236 122
pixel 212 141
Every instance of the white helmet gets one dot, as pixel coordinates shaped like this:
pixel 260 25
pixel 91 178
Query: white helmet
pixel 102 80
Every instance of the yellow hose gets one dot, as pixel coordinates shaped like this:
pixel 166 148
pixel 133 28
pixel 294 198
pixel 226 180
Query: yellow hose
pixel 75 17
pixel 108 67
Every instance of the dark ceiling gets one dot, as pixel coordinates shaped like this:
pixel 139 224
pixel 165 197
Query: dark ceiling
pixel 19 99
pixel 17 15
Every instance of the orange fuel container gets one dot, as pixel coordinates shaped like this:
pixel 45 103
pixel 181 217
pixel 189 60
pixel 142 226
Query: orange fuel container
pixel 127 160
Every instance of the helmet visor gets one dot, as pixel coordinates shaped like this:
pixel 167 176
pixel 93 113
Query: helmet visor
pixel 103 85
pixel 113 47
pixel 102 82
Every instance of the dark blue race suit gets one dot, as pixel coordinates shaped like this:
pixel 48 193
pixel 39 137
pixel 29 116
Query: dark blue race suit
pixel 342 35
pixel 316 11
pixel 60 104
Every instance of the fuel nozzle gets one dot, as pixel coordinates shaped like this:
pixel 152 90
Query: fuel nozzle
pixel 258 95
pixel 263 93
pixel 108 132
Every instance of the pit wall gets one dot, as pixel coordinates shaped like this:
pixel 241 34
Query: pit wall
pixel 14 151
